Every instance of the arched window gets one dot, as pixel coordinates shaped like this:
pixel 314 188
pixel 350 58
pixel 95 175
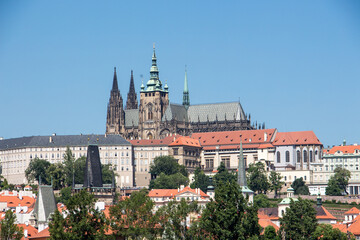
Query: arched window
pixel 287 156
pixel 278 157
pixel 311 155
pixel 298 156
pixel 305 156
pixel 149 112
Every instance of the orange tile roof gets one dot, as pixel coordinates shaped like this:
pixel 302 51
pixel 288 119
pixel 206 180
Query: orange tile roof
pixel 186 141
pixel 327 215
pixel 296 138
pixel 353 210
pixel 233 137
pixel 173 192
pixel 268 213
pixel 31 231
pixel 349 149
pixel 42 235
pixel 354 228
pixel 163 142
pixel 14 201
pixel 267 222
pixel 340 226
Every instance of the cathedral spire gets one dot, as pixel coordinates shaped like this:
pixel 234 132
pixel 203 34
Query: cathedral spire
pixel 132 102
pixel 186 98
pixel 115 83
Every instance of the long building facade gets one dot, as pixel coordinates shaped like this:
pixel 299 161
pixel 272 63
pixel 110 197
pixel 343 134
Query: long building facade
pixel 155 117
pixel 16 154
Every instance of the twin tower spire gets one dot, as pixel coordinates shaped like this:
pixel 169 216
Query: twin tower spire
pixel 131 102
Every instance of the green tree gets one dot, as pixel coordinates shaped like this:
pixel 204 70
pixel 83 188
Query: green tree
pixel 299 220
pixel 133 217
pixel 69 166
pixel 83 220
pixel 79 169
pixel 230 216
pixel 167 165
pixel 327 232
pixel 8 229
pixel 275 182
pixel 262 201
pixel 107 174
pixel 55 172
pixel 338 182
pixel 299 187
pixel 257 178
pixel 173 219
pixel 65 195
pixel 223 175
pixel 168 181
pixel 167 173
pixel 36 169
pixel 200 180
pixel 270 233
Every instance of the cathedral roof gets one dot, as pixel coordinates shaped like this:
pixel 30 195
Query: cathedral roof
pixel 62 141
pixel 221 111
pixel 131 117
pixel 175 111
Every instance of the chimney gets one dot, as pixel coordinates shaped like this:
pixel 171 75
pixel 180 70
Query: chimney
pixel 50 139
pixel 26 233
pixel 182 187
pixel 54 134
pixel 20 195
pixel 265 137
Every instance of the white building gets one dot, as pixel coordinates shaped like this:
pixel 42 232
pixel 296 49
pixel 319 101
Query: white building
pixel 16 154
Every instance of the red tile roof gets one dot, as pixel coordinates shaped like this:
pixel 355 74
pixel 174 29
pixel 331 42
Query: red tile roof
pixel 31 231
pixel 44 234
pixel 186 141
pixel 163 142
pixel 340 226
pixel 233 137
pixel 353 210
pixel 173 192
pixel 354 228
pixel 296 138
pixel 267 222
pixel 325 214
pixel 14 201
pixel 349 149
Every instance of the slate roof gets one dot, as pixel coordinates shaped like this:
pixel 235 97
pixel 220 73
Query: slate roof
pixel 131 117
pixel 202 111
pixel 62 141
pixel 175 111
pixel 45 203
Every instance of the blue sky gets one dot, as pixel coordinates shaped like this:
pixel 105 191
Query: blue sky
pixel 294 65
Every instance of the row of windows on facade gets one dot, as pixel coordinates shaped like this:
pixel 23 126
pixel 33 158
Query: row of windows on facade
pixel 327 177
pixel 58 149
pixel 298 156
pixel 286 178
pixel 350 167
pixel 145 154
pixel 209 162
pixel 186 152
pixel 327 160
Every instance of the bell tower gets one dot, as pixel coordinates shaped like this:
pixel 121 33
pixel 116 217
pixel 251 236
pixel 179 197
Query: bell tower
pixel 154 99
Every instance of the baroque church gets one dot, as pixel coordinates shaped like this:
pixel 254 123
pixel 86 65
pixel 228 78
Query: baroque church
pixel 155 117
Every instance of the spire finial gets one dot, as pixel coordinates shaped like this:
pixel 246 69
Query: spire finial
pixel 115 83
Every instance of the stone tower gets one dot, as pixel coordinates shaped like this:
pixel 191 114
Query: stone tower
pixel 115 112
pixel 154 99
pixel 131 102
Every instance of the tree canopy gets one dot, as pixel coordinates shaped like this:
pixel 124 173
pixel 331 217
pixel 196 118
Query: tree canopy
pixel 201 180
pixel 299 220
pixel 167 173
pixel 223 175
pixel 275 182
pixel 36 169
pixel 338 182
pixel 327 232
pixel 299 187
pixel 83 220
pixel 229 216
pixel 257 178
pixel 8 228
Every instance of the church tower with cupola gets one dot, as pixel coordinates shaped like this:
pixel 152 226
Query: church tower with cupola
pixel 115 112
pixel 154 99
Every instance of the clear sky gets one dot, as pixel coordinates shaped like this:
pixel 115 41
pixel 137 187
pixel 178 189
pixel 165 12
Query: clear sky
pixel 294 65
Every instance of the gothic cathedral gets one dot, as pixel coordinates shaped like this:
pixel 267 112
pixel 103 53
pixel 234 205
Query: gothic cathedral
pixel 156 118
